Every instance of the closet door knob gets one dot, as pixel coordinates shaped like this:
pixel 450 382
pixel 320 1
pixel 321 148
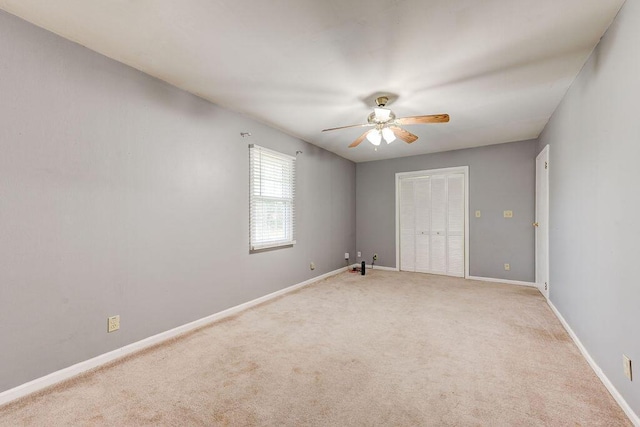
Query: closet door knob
pixel 535 224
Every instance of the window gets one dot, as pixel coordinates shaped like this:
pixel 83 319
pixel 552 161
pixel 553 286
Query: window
pixel 272 191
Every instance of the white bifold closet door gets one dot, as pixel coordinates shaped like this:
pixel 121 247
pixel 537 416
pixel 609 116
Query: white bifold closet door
pixel 407 225
pixel 432 224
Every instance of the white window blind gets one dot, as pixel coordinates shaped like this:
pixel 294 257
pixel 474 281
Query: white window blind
pixel 272 195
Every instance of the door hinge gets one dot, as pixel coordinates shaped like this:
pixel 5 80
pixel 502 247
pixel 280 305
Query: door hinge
pixel 546 286
pixel 546 165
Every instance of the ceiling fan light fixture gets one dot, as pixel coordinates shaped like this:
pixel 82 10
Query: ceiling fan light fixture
pixel 374 136
pixel 388 135
pixel 382 114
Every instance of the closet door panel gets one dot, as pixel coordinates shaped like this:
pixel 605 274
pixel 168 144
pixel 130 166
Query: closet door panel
pixel 438 252
pixel 423 253
pixel 456 256
pixel 407 226
pixel 438 232
pixel 422 192
pixel 455 225
pixel 407 251
pixel 432 224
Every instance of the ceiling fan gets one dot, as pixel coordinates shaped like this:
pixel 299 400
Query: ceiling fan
pixel 387 126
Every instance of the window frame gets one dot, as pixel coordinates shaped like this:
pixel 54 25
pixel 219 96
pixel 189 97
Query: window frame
pixel 256 153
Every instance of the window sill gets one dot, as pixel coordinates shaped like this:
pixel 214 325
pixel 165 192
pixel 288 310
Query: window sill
pixel 271 248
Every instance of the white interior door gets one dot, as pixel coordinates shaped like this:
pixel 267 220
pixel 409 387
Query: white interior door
pixel 542 221
pixel 431 230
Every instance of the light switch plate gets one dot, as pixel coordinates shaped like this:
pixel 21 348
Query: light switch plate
pixel 508 214
pixel 478 214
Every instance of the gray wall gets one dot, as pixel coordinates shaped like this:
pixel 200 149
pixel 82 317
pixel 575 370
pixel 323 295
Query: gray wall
pixel 501 177
pixel 594 202
pixel 120 194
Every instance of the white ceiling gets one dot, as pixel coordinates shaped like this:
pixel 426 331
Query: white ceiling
pixel 498 67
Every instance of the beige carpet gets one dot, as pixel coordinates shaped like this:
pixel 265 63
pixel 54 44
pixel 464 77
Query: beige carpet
pixel 385 349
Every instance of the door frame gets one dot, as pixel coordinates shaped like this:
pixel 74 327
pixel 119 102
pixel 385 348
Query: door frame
pixel 415 174
pixel 540 281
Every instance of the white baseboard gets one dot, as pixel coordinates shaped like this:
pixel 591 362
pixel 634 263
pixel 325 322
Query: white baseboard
pixel 509 282
pixel 376 267
pixel 614 392
pixel 79 368
pixel 381 267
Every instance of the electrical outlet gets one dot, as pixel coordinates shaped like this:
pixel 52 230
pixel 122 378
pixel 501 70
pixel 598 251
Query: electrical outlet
pixel 113 323
pixel 375 257
pixel 627 367
pixel 359 254
pixel 478 214
pixel 346 255
pixel 507 267
pixel 508 214
pixel 312 266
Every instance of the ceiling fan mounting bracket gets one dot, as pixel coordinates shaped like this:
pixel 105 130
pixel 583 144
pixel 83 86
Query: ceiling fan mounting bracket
pixel 381 101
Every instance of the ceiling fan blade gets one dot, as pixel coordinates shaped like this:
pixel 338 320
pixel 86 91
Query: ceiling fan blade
pixel 350 126
pixel 358 140
pixel 404 135
pixel 418 120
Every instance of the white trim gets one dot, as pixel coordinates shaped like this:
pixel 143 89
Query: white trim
pixel 381 267
pixel 467 232
pixel 397 211
pixel 456 169
pixel 541 280
pixel 417 174
pixel 272 245
pixel 509 282
pixel 633 417
pixel 376 267
pixel 79 368
pixel 272 152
